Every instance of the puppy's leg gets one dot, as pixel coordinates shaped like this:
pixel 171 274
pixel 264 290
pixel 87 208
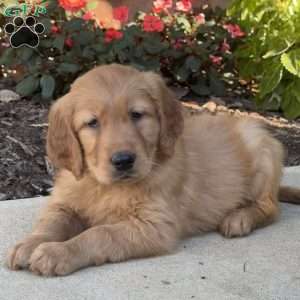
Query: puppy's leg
pixel 57 223
pixel 105 243
pixel 262 207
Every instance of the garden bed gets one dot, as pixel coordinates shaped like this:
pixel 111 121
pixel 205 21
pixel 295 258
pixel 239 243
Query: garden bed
pixel 25 170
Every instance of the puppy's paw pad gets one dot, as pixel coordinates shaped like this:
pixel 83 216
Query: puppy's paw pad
pixel 18 257
pixel 51 259
pixel 238 223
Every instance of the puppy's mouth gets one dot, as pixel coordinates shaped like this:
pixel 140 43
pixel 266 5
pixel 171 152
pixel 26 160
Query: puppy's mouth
pixel 125 176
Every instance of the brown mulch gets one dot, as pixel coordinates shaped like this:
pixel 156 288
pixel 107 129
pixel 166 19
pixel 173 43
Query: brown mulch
pixel 23 167
pixel 25 171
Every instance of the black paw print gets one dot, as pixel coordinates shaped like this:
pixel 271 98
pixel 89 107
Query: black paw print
pixel 24 32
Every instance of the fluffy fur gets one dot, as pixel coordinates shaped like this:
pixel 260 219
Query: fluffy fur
pixel 191 175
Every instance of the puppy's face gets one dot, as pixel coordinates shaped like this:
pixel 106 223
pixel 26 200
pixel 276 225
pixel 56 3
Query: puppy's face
pixel 116 122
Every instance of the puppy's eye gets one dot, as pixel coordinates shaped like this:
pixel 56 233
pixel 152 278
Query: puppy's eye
pixel 93 123
pixel 136 116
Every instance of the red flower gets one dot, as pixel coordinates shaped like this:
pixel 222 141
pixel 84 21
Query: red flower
pixel 153 24
pixel 162 5
pixel 216 60
pixel 200 19
pixel 55 29
pixel 112 34
pixel 184 5
pixel 121 14
pixel 88 16
pixel 225 46
pixel 72 5
pixel 69 42
pixel 234 30
pixel 178 44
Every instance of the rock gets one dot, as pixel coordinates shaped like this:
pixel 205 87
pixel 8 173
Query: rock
pixel 8 95
pixel 3 196
pixel 235 104
pixel 217 100
pixel 210 106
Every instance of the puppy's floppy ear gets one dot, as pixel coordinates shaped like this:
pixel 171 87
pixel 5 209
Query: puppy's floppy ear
pixel 63 147
pixel 170 113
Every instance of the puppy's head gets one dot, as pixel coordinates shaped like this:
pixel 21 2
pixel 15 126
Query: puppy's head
pixel 116 123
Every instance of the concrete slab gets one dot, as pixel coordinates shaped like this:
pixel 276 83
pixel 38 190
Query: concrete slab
pixel 265 265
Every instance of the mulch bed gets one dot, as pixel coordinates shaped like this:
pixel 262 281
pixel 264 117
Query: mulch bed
pixel 25 170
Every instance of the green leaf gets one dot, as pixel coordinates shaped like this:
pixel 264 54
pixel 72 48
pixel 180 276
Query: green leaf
pixel 74 24
pixel 100 48
pixel 59 42
pixel 193 63
pixel 154 45
pixel 47 83
pixel 182 73
pixel 184 23
pixel 88 53
pixel 271 77
pixel 216 85
pixel 291 101
pixel 84 37
pixel 27 86
pixel 280 47
pixel 25 53
pixel 68 68
pixel 291 61
pixel 200 88
pixel 92 5
pixel 7 57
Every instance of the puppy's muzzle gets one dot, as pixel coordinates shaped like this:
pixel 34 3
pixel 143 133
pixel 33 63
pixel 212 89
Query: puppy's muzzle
pixel 123 161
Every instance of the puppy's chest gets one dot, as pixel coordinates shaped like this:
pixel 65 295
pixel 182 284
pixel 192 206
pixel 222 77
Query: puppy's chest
pixel 110 207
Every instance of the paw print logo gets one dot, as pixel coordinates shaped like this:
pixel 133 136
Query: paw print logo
pixel 24 32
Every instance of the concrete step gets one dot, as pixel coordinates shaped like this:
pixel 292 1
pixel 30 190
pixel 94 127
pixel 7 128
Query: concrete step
pixel 265 265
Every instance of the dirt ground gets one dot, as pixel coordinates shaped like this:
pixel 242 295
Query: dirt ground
pixel 26 172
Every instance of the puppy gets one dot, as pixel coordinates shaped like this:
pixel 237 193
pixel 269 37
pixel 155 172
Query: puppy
pixel 136 176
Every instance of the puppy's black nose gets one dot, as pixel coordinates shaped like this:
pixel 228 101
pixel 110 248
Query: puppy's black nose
pixel 123 160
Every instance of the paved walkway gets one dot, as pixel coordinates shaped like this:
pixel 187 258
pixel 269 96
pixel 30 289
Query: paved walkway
pixel 263 266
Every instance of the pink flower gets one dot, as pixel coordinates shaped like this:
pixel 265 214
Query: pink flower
pixel 234 30
pixel 55 29
pixel 184 5
pixel 88 16
pixel 69 42
pixel 112 34
pixel 121 14
pixel 162 5
pixel 216 60
pixel 200 19
pixel 72 5
pixel 153 24
pixel 178 44
pixel 225 46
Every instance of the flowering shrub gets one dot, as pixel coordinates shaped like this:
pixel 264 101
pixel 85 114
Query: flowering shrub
pixel 271 52
pixel 193 49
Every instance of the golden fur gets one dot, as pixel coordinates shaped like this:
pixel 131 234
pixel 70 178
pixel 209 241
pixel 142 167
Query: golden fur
pixel 191 175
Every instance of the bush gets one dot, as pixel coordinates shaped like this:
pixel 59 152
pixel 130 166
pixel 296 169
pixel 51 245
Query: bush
pixel 192 49
pixel 271 52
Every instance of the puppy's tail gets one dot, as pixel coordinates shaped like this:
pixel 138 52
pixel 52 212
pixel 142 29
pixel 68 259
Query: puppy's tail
pixel 289 194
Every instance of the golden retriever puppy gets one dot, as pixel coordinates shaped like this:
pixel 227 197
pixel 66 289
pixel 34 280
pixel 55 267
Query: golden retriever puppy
pixel 136 176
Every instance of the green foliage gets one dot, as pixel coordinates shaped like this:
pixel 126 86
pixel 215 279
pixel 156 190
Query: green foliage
pixel 72 46
pixel 271 52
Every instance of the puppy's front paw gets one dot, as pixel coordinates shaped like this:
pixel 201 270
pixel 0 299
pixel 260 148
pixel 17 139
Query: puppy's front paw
pixel 238 223
pixel 52 259
pixel 18 257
